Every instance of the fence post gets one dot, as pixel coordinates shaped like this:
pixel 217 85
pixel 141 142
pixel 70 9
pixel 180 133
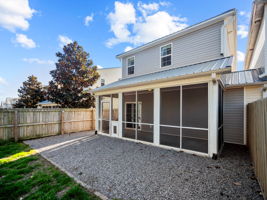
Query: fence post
pixel 15 127
pixel 62 122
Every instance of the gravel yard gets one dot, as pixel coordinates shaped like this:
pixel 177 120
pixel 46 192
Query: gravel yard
pixel 127 170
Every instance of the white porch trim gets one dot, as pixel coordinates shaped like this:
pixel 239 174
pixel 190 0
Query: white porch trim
pixel 156 116
pixel 213 117
pixel 97 112
pixel 120 109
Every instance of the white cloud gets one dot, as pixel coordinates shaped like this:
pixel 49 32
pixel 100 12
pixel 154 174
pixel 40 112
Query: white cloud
pixel 150 7
pixel 99 67
pixel 38 61
pixel 64 40
pixel 245 14
pixel 24 41
pixel 147 8
pixel 14 14
pixel 128 48
pixel 240 56
pixel 123 15
pixel 242 31
pixel 127 26
pixel 157 25
pixel 2 81
pixel 88 19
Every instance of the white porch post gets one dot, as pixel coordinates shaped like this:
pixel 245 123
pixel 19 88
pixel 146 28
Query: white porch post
pixel 156 115
pixel 213 117
pixel 120 115
pixel 97 108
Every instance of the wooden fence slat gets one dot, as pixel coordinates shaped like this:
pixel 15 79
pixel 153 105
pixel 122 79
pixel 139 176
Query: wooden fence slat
pixel 15 128
pixel 22 124
pixel 257 140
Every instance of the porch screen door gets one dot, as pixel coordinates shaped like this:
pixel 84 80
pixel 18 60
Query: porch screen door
pixel 105 117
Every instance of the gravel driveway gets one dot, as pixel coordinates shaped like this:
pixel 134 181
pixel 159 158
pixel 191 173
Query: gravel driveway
pixel 128 170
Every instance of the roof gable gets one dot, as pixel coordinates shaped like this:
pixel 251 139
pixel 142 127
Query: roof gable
pixel 187 30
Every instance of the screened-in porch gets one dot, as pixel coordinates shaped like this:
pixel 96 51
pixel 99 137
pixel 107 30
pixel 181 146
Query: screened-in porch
pixel 176 117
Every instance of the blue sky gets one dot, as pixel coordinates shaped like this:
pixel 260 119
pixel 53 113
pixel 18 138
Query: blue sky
pixel 32 31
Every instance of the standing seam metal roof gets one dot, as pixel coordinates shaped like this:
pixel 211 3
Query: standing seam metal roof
pixel 244 77
pixel 208 66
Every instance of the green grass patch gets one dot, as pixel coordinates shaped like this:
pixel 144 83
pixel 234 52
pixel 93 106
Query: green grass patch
pixel 27 176
pixel 8 148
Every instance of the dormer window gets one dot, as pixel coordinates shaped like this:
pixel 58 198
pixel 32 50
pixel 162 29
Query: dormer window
pixel 130 64
pixel 166 55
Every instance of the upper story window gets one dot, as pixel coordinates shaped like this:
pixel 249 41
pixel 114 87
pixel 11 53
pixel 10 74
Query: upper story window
pixel 130 64
pixel 102 82
pixel 166 55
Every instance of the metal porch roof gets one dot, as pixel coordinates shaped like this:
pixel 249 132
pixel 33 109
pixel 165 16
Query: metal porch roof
pixel 244 77
pixel 217 65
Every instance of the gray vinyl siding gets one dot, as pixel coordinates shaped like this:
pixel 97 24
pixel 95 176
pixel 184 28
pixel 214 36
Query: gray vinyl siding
pixel 195 47
pixel 260 61
pixel 233 116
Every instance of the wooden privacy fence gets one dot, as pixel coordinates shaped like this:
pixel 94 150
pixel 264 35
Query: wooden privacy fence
pixel 257 140
pixel 20 124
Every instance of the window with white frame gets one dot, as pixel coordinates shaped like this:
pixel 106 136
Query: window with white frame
pixel 166 55
pixel 102 82
pixel 130 65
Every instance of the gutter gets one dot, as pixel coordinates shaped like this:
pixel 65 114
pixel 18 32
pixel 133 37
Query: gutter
pixel 255 24
pixel 246 84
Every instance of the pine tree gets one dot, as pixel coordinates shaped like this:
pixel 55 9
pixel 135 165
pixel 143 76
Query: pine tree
pixel 73 74
pixel 30 93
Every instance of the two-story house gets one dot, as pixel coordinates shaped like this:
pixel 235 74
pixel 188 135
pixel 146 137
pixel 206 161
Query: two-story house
pixel 170 94
pixel 182 91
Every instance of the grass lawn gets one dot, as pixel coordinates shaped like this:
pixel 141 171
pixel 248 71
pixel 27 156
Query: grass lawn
pixel 26 175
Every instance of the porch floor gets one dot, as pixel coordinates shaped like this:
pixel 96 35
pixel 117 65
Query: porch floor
pixel 128 170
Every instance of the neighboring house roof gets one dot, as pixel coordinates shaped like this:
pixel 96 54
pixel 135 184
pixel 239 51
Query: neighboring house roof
pixel 255 24
pixel 245 77
pixel 218 65
pixel 182 32
pixel 109 75
pixel 107 68
pixel 45 102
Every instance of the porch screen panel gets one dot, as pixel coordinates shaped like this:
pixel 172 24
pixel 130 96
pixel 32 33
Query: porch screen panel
pixel 145 110
pixel 170 136
pixel 105 113
pixel 129 115
pixel 195 118
pixel 145 133
pixel 170 116
pixel 195 140
pixel 115 107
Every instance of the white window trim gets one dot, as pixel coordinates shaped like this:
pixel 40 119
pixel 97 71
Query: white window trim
pixel 130 66
pixel 165 56
pixel 125 121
